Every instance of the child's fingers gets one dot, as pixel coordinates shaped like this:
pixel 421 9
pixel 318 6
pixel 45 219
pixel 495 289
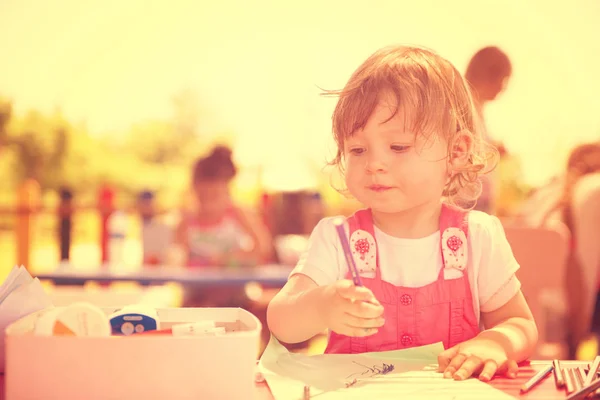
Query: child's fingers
pixel 445 357
pixel 454 365
pixel 358 294
pixel 510 368
pixel 489 370
pixel 348 290
pixel 469 367
pixel 353 331
pixel 363 309
pixel 358 322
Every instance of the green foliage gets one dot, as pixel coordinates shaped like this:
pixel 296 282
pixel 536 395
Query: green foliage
pixel 153 155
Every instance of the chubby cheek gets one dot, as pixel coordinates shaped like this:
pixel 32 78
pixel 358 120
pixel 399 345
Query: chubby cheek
pixel 422 178
pixel 353 177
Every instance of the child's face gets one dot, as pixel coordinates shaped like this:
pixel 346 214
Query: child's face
pixel 213 196
pixel 391 170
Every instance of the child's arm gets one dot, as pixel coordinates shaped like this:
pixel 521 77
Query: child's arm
pixel 294 313
pixel 511 334
pixel 513 327
pixel 178 252
pixel 504 312
pixel 261 237
pixel 302 309
pixel 511 338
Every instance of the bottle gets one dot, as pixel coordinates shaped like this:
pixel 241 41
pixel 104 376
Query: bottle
pixel 117 229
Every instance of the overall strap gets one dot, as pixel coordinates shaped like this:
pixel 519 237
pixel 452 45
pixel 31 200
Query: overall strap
pixel 362 242
pixel 454 231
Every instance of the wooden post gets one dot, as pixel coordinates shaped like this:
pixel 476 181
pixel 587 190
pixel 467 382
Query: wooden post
pixel 28 200
pixel 65 216
pixel 106 206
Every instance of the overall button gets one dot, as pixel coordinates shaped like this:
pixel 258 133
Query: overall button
pixel 405 300
pixel 406 340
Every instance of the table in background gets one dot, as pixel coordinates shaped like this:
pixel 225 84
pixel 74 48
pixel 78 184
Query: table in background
pixel 269 275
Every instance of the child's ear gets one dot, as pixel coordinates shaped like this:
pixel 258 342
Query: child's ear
pixel 460 151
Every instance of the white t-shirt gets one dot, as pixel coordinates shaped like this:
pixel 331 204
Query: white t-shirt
pixel 417 262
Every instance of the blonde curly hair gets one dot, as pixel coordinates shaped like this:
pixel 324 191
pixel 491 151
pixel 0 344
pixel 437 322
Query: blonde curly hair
pixel 440 104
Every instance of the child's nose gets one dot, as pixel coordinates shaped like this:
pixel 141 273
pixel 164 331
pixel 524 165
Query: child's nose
pixel 374 164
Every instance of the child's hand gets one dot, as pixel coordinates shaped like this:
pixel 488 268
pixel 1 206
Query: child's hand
pixel 352 310
pixel 484 357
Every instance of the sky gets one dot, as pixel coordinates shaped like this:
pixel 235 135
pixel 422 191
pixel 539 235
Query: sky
pixel 257 66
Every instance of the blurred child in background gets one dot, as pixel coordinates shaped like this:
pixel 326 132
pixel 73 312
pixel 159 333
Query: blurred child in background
pixel 574 199
pixel 216 232
pixel 488 73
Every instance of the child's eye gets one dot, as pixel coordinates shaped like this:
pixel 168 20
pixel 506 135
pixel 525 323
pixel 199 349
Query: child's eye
pixel 399 148
pixel 357 151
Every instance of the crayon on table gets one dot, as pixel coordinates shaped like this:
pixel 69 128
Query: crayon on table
pixel 569 380
pixel 537 378
pixel 559 378
pixel 585 391
pixel 592 373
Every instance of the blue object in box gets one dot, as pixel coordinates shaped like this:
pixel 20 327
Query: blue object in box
pixel 134 319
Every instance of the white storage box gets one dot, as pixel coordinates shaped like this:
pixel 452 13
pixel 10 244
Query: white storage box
pixel 142 367
pixel 154 296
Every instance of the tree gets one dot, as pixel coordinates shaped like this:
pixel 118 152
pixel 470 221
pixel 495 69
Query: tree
pixel 5 116
pixel 173 142
pixel 41 145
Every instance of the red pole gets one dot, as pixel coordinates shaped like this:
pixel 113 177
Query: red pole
pixel 106 206
pixel 266 209
pixel 28 200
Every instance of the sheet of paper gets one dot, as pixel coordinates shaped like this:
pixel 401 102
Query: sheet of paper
pixel 407 374
pixel 20 295
pixel 17 277
pixel 415 385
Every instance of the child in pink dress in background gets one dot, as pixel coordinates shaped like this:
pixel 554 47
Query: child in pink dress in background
pixel 217 233
pixel 411 151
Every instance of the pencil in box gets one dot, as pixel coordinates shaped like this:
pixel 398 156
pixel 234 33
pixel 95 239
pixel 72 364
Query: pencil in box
pixel 201 328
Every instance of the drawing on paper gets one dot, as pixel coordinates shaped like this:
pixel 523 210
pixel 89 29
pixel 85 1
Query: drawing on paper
pixel 369 372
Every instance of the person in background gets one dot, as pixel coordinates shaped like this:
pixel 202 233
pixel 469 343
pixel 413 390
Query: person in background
pixel 488 73
pixel 217 233
pixel 146 206
pixel 156 234
pixel 577 204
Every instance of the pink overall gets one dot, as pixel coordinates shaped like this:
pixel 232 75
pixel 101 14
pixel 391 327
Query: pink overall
pixel 441 311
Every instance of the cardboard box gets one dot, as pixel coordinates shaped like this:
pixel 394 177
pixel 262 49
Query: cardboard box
pixel 142 367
